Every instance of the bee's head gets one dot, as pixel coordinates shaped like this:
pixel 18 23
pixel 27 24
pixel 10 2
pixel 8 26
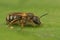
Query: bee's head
pixel 36 20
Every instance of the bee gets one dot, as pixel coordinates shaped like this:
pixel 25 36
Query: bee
pixel 22 19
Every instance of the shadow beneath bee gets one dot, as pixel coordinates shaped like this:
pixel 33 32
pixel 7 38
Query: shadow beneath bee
pixel 15 25
pixel 29 29
pixel 28 26
pixel 17 28
pixel 34 26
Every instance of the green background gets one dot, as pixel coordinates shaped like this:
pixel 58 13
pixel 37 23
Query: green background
pixel 48 30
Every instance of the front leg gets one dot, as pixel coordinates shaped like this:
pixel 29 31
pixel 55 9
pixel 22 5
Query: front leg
pixel 22 25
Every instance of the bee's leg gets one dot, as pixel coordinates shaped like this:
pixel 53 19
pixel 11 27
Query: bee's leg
pixel 32 23
pixel 22 25
pixel 7 23
pixel 10 24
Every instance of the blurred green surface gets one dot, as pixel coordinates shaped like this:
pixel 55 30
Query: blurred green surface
pixel 49 29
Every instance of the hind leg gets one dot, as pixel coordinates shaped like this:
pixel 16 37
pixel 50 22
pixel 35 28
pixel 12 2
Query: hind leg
pixel 11 23
pixel 31 23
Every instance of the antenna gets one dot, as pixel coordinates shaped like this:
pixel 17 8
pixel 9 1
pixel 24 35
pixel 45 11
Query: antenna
pixel 43 15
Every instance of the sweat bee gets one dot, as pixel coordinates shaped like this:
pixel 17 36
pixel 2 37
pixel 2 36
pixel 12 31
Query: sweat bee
pixel 22 18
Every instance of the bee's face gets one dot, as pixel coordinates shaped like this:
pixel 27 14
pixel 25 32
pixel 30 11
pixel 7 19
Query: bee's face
pixel 36 20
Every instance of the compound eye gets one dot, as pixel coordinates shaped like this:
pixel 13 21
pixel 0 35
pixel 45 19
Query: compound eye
pixel 36 20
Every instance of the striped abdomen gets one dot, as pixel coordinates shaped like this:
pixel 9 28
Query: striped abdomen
pixel 10 18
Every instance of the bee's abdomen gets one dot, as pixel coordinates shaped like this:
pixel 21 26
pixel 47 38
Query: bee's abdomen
pixel 10 18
